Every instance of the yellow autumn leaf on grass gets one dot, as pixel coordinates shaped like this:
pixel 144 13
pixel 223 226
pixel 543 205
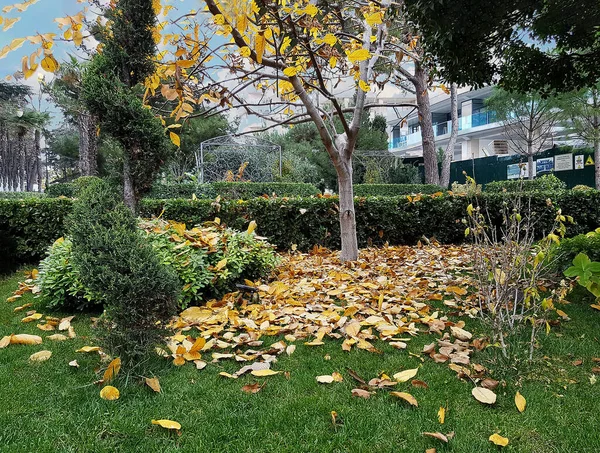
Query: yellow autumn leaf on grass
pixel 167 424
pixel 442 415
pixel 88 349
pixel 497 439
pixel 359 55
pixel 520 402
pixel 175 139
pixel 153 384
pixel 483 395
pixel 33 317
pixel 406 397
pixel 221 264
pixel 40 356
pixel 109 393
pixel 24 338
pixel 112 370
pixel 263 373
pixel 405 375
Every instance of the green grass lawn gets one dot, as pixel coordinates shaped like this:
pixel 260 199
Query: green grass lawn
pixel 52 407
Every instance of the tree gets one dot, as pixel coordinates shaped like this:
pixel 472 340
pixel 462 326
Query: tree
pixel 581 116
pixel 301 52
pixel 66 92
pixel 111 91
pixel 449 152
pixel 526 45
pixel 528 121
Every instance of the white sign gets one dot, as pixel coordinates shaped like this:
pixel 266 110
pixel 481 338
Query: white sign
pixel 579 162
pixel 516 171
pixel 563 162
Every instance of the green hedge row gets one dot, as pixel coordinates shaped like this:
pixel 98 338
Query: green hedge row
pixel 231 190
pixel 27 227
pixel 393 190
pixel 20 195
pixel 543 183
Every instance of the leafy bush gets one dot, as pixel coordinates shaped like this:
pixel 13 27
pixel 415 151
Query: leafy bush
pixel 588 275
pixel 232 190
pixel 194 255
pixel 28 227
pixel 62 189
pixel 582 187
pixel 588 244
pixel 114 261
pixel 59 283
pixel 543 183
pixel 393 190
pixel 69 189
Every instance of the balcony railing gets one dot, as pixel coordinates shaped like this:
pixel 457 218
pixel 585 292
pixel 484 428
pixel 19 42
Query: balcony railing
pixel 443 128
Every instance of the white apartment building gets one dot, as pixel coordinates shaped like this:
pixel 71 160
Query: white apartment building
pixel 479 132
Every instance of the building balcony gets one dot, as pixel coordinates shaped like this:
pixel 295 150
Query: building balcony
pixel 440 129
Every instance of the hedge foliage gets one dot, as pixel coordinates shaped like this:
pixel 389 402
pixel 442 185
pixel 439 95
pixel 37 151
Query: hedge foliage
pixel 231 190
pixel 32 225
pixel 20 195
pixel 543 183
pixel 28 226
pixel 569 248
pixel 70 189
pixel 393 190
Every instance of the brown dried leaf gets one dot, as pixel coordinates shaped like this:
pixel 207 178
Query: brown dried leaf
pixel 153 383
pixel 437 435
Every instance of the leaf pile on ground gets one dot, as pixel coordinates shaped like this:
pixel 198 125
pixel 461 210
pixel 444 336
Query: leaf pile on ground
pixel 386 295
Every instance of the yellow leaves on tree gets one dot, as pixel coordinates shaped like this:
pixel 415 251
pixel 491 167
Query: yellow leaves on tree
pixel 359 55
pixel 259 46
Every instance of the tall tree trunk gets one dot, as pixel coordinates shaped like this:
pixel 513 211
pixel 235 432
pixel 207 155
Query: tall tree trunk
pixel 38 158
pixel 347 214
pixel 597 163
pixel 529 162
pixel 88 145
pixel 449 153
pixel 427 137
pixel 128 188
pixel 22 159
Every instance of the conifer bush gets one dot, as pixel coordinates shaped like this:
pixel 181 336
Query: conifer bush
pixel 115 262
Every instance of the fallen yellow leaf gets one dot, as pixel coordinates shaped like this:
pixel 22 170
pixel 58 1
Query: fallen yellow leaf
pixel 40 356
pixel 484 396
pixel 112 370
pixel 167 424
pixel 406 397
pixel 520 402
pixel 263 373
pixel 109 393
pixel 405 375
pixel 497 439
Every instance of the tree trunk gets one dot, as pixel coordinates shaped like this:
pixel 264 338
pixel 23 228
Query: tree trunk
pixel 22 160
pixel 449 153
pixel 88 145
pixel 427 136
pixel 347 214
pixel 38 158
pixel 530 165
pixel 597 163
pixel 128 188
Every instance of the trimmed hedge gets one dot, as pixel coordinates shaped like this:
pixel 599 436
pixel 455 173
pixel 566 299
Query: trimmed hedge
pixel 28 227
pixel 232 190
pixel 20 195
pixel 32 225
pixel 61 189
pixel 394 190
pixel 543 183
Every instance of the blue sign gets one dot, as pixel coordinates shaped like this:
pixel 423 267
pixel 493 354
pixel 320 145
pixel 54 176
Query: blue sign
pixel 544 165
